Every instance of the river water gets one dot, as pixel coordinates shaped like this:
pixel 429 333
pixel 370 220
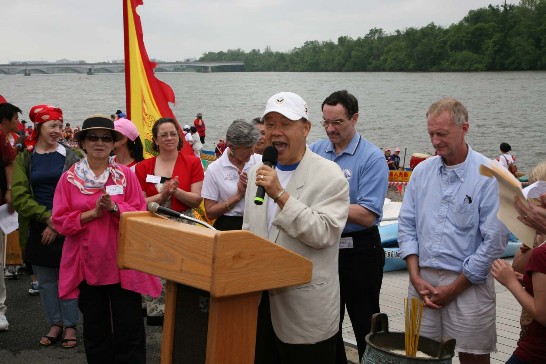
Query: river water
pixel 503 106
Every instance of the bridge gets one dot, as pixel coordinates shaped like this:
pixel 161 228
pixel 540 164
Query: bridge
pixel 92 68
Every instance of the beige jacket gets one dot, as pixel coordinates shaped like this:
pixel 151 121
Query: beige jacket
pixel 310 224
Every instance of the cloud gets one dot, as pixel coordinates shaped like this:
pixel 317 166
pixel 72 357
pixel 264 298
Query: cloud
pixel 174 30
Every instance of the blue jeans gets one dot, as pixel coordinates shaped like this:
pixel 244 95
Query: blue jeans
pixel 58 311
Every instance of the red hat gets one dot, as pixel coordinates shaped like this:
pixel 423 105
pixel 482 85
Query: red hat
pixel 40 114
pixel 48 114
pixel 36 109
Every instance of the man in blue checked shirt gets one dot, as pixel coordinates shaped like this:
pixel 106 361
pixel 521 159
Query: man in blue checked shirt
pixel 449 235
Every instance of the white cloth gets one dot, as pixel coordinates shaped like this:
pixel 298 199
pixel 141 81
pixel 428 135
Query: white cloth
pixel 284 178
pixel 196 144
pixel 221 179
pixel 506 159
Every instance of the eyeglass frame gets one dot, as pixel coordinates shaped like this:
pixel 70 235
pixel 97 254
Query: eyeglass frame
pixel 334 123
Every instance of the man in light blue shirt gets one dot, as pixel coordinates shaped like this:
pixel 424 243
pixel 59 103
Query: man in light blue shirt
pixel 449 235
pixel 361 257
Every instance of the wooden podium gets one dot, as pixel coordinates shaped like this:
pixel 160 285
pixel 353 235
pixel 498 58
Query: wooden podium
pixel 214 283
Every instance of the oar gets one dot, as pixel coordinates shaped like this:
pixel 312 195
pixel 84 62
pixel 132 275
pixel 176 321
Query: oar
pixel 404 164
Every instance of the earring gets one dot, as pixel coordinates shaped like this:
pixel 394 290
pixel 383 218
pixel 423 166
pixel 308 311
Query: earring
pixel 232 153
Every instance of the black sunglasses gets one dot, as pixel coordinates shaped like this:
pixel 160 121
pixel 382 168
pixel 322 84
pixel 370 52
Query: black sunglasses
pixel 104 138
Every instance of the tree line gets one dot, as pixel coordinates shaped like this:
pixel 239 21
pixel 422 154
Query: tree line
pixel 496 38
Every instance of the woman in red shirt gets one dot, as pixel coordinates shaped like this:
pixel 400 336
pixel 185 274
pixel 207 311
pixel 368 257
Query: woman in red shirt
pixel 173 180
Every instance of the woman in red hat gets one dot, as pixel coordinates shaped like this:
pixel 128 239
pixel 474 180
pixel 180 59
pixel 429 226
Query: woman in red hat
pixel 36 173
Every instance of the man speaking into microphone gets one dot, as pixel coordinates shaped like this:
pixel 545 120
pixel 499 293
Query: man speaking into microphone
pixel 304 209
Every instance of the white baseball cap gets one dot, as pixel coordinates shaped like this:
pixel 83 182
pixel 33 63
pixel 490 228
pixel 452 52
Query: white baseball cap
pixel 288 104
pixel 186 127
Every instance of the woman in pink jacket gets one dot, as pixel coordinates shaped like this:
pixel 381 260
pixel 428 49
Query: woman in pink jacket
pixel 88 201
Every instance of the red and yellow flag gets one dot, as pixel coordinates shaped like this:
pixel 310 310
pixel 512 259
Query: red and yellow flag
pixel 147 97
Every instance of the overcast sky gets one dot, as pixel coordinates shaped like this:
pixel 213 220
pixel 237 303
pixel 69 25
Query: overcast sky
pixel 50 30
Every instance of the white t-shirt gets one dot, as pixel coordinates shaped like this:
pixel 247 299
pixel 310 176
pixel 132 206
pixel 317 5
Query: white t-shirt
pixel 506 159
pixel 284 178
pixel 188 138
pixel 196 142
pixel 221 179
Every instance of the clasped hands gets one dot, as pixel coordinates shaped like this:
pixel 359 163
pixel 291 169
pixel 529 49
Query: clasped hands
pixel 169 187
pixel 104 202
pixel 434 297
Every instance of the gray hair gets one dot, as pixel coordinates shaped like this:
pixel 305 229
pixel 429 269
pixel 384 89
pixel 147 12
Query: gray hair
pixel 241 133
pixel 459 114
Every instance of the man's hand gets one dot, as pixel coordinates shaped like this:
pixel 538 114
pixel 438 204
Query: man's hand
pixel 426 291
pixel 268 179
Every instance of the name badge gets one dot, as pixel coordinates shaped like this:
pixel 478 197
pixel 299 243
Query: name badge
pixel 346 243
pixel 150 178
pixel 114 190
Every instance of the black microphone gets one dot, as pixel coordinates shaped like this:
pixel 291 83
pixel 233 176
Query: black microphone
pixel 158 209
pixel 269 159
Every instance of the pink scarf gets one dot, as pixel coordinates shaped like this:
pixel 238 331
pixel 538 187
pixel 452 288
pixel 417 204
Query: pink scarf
pixel 81 176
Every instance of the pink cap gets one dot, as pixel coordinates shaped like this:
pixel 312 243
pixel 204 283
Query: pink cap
pixel 127 128
pixel 387 149
pixel 397 149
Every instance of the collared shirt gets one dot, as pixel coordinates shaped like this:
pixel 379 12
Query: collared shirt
pixel 221 180
pixel 449 218
pixel 363 164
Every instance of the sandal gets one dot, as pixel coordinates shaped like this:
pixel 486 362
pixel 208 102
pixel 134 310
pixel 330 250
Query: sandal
pixel 70 343
pixel 50 340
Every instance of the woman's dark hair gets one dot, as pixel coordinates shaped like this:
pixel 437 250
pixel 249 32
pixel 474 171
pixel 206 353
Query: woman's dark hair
pixel 193 129
pixel 505 147
pixel 136 149
pixel 38 128
pixel 155 129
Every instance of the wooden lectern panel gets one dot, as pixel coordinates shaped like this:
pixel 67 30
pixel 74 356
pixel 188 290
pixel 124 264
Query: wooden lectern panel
pixel 224 263
pixel 215 279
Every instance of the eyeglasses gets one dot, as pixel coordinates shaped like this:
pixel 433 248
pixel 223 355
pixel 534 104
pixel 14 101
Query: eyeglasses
pixel 173 134
pixel 334 123
pixel 104 138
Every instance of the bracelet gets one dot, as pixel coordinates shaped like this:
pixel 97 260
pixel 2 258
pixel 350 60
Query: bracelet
pixel 278 196
pixel 227 205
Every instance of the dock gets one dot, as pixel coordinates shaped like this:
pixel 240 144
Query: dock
pixel 27 321
pixel 395 288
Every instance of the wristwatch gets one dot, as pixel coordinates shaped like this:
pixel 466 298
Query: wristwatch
pixel 116 208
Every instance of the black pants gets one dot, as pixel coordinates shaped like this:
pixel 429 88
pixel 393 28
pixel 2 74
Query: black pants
pixel 113 327
pixel 271 350
pixel 202 139
pixel 360 278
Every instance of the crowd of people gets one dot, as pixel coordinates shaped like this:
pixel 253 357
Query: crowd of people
pixel 323 201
